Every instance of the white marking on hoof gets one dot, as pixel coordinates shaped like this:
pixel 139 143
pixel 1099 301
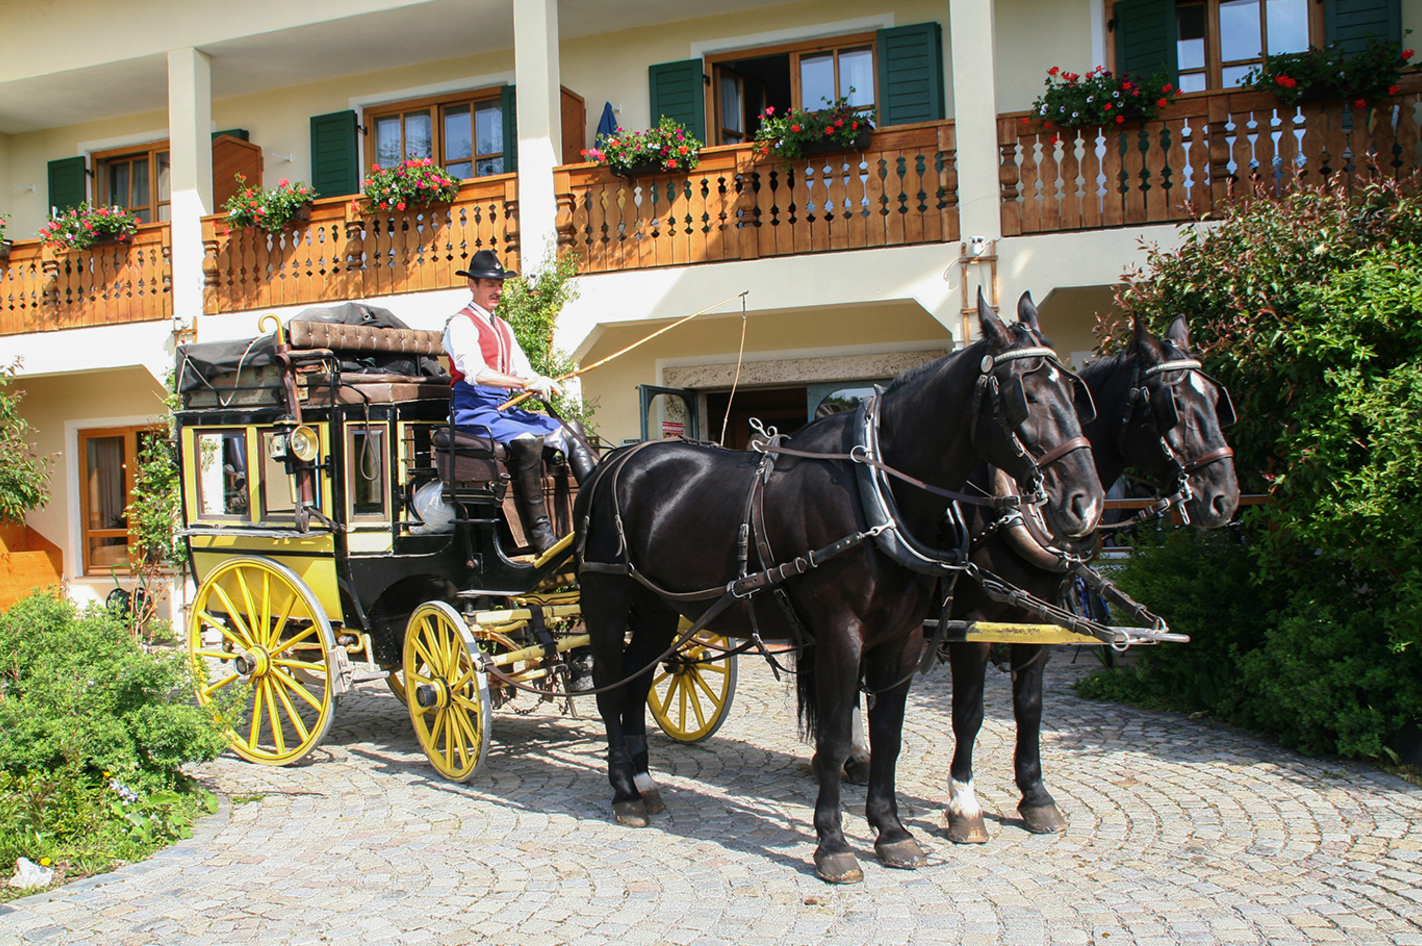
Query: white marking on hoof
pixel 644 783
pixel 962 802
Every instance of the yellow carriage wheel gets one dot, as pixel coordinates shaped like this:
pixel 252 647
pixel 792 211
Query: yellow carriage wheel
pixel 691 692
pixel 448 692
pixel 261 648
pixel 395 680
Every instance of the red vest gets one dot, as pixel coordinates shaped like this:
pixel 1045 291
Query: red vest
pixel 495 343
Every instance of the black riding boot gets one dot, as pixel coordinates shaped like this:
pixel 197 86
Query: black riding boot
pixel 527 456
pixel 579 458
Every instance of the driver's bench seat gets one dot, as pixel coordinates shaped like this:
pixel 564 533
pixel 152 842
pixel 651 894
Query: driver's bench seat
pixel 481 463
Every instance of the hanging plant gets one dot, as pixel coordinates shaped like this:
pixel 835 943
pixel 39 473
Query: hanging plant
pixel 253 207
pixel 81 227
pixel 1367 76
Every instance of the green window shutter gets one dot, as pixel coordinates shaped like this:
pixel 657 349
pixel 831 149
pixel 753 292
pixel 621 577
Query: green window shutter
pixel 1352 25
pixel 678 91
pixel 1145 38
pixel 335 165
pixel 66 183
pixel 910 74
pixel 240 133
pixel 509 100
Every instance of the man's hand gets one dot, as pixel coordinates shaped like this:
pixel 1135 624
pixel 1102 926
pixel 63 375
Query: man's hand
pixel 544 387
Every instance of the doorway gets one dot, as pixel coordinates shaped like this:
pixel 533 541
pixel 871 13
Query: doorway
pixel 782 408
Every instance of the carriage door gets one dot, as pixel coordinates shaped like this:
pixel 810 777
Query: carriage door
pixel 671 412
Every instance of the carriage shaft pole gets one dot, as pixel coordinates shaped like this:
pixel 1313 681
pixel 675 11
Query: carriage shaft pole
pixel 537 650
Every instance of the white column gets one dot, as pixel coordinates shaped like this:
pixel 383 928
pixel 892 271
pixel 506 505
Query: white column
pixel 190 142
pixel 972 39
pixel 540 134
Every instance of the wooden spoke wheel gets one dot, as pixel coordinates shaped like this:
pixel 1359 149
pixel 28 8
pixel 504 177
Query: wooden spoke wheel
pixel 447 691
pixel 262 653
pixel 691 692
pixel 395 680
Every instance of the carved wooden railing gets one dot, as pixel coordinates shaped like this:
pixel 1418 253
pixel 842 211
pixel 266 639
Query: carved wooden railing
pixel 901 190
pixel 42 290
pixel 1203 151
pixel 343 253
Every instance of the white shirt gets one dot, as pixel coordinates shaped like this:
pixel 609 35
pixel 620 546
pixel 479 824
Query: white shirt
pixel 461 343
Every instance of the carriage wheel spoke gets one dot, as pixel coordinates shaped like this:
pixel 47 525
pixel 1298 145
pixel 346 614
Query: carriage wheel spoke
pixel 267 606
pixel 252 614
pixel 213 687
pixel 464 701
pixel 291 713
pixel 437 728
pixel 215 654
pixel 293 641
pixel 424 653
pixel 282 618
pixel 256 728
pixel 278 733
pixel 300 690
pixel 301 665
pixel 247 640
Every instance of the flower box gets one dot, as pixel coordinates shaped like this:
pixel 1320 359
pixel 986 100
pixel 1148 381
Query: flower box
pixel 830 146
pixel 637 169
pixel 5 249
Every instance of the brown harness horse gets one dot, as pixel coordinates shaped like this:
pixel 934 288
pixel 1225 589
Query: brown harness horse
pixel 675 528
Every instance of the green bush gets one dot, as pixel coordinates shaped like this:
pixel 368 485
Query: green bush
pixel 1307 308
pixel 93 730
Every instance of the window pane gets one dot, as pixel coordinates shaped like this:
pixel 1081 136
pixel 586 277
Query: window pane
pixel 111 551
pixel 1192 82
pixel 222 473
pixel 1232 76
pixel 856 76
pixel 144 216
pixel 458 134
pixel 1190 45
pixel 1239 31
pixel 1287 22
pixel 367 476
pixel 276 484
pixel 816 80
pixel 165 212
pixel 491 166
pixel 417 136
pixel 387 141
pixel 108 495
pixel 731 106
pixel 489 122
pixel 165 174
pixel 463 170
pixel 118 184
pixel 140 183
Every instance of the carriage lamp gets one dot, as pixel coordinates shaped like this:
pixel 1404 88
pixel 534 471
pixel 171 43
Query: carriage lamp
pixel 303 444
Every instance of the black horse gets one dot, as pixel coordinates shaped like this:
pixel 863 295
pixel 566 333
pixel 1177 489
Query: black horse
pixel 662 521
pixel 1159 414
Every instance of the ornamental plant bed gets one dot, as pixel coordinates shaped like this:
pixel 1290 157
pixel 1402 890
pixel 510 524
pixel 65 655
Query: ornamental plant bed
pixel 1329 74
pixel 273 211
pixel 418 182
pixel 667 147
pixel 82 227
pixel 837 127
pixel 640 169
pixel 1100 99
pixel 830 146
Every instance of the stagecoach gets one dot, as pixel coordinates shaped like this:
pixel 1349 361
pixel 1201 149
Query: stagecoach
pixel 340 530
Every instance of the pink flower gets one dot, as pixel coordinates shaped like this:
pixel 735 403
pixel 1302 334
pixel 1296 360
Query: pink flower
pixel 283 183
pixel 770 109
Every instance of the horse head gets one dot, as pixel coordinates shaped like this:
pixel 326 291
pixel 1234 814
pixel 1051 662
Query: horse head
pixel 1029 411
pixel 1175 429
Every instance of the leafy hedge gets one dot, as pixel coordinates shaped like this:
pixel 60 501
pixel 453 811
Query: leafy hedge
pixel 1311 625
pixel 93 730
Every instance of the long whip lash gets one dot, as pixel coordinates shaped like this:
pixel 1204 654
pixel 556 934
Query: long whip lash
pixel 597 364
pixel 740 357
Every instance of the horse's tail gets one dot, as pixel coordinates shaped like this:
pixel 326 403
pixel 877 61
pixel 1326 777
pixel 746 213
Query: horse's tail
pixel 809 707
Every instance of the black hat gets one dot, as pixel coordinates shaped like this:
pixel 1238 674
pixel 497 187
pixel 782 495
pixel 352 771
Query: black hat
pixel 485 265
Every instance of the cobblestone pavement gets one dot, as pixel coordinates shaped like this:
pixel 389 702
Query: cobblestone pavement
pixel 1181 832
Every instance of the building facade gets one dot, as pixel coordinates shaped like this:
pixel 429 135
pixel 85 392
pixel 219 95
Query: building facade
pixel 831 272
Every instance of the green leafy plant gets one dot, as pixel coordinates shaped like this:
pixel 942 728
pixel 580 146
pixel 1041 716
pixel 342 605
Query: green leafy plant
pixel 786 135
pixel 531 305
pixel 1361 78
pixel 668 147
pixel 24 475
pixel 80 227
pixel 1306 307
pixel 4 220
pixel 271 210
pixel 1100 98
pixel 412 183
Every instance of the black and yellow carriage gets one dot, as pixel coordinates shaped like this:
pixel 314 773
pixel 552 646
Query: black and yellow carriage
pixel 340 531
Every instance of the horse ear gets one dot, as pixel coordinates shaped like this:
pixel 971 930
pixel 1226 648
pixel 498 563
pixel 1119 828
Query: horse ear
pixel 1027 312
pixel 993 330
pixel 1179 333
pixel 1149 347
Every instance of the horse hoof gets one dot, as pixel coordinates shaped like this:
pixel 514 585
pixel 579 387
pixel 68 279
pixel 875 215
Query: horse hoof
pixel 1042 819
pixel 901 855
pixel 840 868
pixel 631 813
pixel 963 829
pixel 652 798
pixel 856 770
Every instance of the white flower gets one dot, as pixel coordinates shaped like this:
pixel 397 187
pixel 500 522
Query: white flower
pixel 1090 99
pixel 1116 94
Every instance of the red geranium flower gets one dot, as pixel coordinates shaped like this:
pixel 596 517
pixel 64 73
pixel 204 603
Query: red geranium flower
pixel 1407 54
pixel 1393 89
pixel 1162 103
pixel 1054 70
pixel 1120 119
pixel 794 127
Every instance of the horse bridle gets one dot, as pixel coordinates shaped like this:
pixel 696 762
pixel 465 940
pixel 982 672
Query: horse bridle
pixel 1010 411
pixel 1161 415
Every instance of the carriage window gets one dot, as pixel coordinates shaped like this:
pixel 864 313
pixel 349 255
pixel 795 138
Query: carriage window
pixel 222 474
pixel 277 504
pixel 365 475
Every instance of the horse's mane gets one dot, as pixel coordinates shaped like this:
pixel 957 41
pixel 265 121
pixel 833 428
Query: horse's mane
pixel 917 373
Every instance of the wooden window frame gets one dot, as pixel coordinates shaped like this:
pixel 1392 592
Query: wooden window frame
pixel 436 104
pixel 130 437
pixel 796 51
pixel 1214 64
pixel 101 160
pixel 381 430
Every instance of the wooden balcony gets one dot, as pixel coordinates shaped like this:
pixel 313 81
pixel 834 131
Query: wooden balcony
pixel 342 253
pixel 1202 152
pixel 735 206
pixel 42 290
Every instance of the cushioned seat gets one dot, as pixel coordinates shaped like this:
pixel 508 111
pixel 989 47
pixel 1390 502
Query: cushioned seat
pixel 476 459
